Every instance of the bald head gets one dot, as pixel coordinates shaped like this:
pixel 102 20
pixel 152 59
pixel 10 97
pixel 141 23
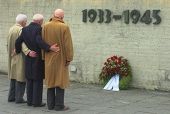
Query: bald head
pixel 38 18
pixel 59 13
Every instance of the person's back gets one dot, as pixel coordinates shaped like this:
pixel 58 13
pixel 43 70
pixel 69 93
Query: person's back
pixel 56 31
pixel 15 31
pixel 16 69
pixel 17 61
pixel 30 34
pixel 34 66
pixel 56 65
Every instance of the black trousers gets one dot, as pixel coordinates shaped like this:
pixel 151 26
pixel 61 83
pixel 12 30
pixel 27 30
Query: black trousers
pixel 16 91
pixel 55 98
pixel 34 92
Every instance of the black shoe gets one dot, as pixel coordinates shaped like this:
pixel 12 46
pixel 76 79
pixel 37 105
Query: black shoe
pixel 41 105
pixel 19 102
pixel 62 109
pixel 13 100
pixel 29 104
pixel 50 108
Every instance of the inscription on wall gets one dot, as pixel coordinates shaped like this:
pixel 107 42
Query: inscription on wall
pixel 134 16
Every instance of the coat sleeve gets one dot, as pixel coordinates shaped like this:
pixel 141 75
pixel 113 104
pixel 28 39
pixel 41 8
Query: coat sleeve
pixel 18 43
pixel 43 35
pixel 25 49
pixel 9 51
pixel 68 45
pixel 41 43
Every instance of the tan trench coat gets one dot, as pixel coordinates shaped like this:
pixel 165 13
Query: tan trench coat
pixel 56 73
pixel 15 63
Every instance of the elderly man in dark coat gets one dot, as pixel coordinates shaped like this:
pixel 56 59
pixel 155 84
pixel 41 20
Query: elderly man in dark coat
pixel 34 67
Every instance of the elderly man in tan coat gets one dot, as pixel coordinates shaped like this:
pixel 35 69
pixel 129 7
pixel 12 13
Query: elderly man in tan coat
pixel 56 64
pixel 16 72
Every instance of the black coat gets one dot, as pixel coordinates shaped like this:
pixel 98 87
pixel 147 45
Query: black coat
pixel 31 36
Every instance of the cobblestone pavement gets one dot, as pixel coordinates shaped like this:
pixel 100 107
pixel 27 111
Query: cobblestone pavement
pixel 92 99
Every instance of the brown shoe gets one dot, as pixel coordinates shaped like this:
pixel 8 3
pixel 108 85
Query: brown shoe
pixel 62 109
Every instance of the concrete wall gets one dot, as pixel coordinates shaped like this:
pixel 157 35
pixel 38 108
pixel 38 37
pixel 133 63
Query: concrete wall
pixel 147 47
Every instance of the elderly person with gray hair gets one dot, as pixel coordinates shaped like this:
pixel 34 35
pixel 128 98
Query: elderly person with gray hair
pixel 16 69
pixel 34 66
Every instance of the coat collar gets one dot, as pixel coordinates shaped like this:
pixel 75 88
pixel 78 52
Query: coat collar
pixel 18 25
pixel 57 19
pixel 33 23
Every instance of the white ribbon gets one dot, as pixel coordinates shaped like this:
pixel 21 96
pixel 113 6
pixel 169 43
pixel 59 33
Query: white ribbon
pixel 113 83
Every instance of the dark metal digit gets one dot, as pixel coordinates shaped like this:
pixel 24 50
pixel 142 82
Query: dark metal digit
pixel 84 15
pixel 156 16
pixel 135 15
pixel 126 16
pixel 101 16
pixel 92 14
pixel 146 18
pixel 108 16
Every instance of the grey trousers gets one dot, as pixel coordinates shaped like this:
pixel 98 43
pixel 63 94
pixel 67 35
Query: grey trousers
pixel 16 91
pixel 55 98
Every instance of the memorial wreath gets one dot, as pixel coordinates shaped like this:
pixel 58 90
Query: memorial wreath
pixel 116 66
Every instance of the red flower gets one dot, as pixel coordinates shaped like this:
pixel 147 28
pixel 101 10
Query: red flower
pixel 115 65
pixel 115 57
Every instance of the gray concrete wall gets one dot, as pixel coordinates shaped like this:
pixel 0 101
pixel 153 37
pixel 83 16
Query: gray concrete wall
pixel 146 47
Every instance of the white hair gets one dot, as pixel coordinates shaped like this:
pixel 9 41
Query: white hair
pixel 38 17
pixel 21 18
